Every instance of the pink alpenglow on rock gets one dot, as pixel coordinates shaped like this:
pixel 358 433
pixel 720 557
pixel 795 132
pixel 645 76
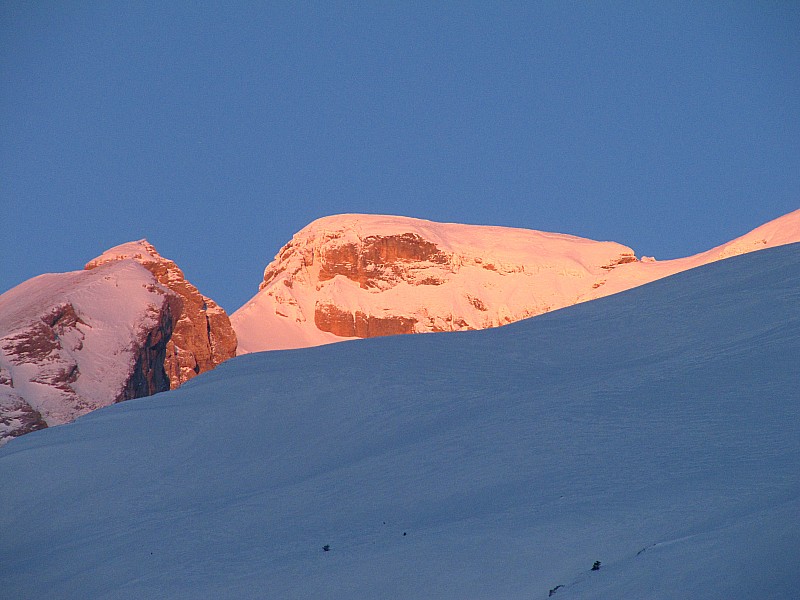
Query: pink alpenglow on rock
pixel 128 326
pixel 202 337
pixel 356 276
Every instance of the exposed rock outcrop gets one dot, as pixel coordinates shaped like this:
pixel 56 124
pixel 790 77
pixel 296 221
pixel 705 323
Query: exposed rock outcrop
pixel 17 417
pixel 366 276
pixel 128 326
pixel 379 259
pixel 328 317
pixel 354 276
pixel 202 337
pixel 149 375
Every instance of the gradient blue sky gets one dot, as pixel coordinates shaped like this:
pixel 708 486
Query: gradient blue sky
pixel 217 130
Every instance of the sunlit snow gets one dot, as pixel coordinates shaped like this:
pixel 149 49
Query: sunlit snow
pixel 492 276
pixel 114 304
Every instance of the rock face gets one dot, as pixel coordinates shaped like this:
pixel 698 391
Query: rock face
pixel 328 317
pixel 17 417
pixel 128 326
pixel 73 342
pixel 363 276
pixel 357 276
pixel 202 337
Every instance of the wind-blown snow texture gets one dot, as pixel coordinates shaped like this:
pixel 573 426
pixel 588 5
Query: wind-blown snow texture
pixel 656 431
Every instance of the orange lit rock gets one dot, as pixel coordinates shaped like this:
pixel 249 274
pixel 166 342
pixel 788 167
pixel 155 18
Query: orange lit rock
pixel 202 336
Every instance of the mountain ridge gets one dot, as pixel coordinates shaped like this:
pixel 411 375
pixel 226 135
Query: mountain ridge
pixel 654 431
pixel 342 277
pixel 356 276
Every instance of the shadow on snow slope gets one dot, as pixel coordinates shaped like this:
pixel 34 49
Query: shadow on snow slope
pixel 656 431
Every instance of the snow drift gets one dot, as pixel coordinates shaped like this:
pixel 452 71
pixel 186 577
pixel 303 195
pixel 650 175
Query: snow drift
pixel 656 431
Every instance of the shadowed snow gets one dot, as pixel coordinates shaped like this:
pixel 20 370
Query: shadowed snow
pixel 655 431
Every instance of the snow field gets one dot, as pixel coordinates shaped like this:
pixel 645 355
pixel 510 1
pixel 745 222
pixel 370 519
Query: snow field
pixel 656 431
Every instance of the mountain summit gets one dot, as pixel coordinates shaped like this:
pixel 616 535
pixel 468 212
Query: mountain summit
pixel 127 326
pixel 367 276
pixel 358 276
pixel 202 336
pixel 131 325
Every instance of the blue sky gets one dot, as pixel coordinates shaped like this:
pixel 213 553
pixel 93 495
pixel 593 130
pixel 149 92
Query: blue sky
pixel 217 130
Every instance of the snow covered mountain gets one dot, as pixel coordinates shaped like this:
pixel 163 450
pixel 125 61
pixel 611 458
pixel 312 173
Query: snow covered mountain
pixel 364 276
pixel 341 277
pixel 656 432
pixel 202 335
pixel 129 325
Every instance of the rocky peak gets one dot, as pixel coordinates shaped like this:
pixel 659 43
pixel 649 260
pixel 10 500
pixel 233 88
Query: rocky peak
pixel 367 275
pixel 74 342
pixel 202 336
pixel 128 325
pixel 350 276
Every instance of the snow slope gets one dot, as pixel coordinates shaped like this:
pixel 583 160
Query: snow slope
pixel 778 232
pixel 370 275
pixel 656 431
